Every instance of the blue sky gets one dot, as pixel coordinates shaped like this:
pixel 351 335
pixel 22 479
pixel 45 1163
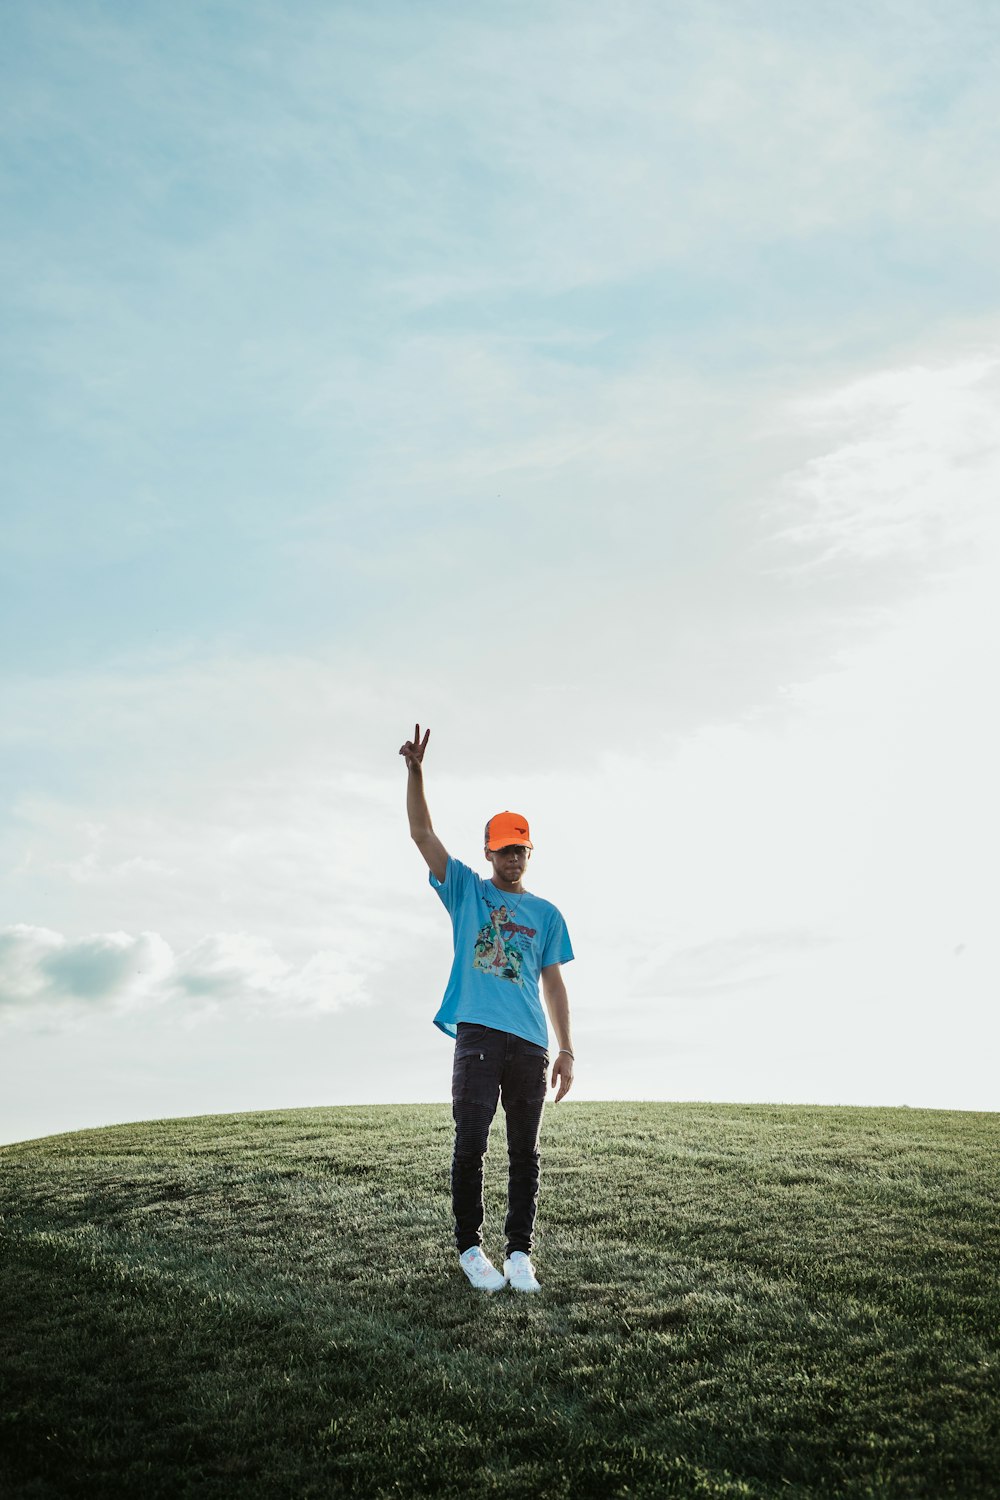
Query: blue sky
pixel 614 391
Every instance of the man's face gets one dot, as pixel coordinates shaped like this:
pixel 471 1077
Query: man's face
pixel 510 862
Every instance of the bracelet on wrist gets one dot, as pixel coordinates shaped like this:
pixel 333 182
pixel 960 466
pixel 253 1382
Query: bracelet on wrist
pixel 568 1052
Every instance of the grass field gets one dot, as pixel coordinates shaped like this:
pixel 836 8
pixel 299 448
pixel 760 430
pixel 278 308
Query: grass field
pixel 737 1301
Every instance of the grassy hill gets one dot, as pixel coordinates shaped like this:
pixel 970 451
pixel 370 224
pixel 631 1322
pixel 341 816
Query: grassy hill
pixel 737 1301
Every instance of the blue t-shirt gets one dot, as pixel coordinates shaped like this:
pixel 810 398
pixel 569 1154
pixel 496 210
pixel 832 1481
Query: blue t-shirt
pixel 502 942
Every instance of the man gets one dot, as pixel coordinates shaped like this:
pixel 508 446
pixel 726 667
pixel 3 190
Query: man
pixel 506 939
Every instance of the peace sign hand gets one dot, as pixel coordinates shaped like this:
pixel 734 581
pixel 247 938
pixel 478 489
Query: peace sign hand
pixel 414 749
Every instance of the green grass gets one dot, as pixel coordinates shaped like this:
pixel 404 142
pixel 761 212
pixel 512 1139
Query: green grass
pixel 738 1301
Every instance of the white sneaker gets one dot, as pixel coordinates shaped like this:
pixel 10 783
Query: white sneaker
pixel 480 1270
pixel 519 1271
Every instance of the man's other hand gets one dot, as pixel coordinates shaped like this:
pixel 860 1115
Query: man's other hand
pixel 562 1073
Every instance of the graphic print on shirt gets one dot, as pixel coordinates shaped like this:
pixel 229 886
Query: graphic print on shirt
pixel 496 952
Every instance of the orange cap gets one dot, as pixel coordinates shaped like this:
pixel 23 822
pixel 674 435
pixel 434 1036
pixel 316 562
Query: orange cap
pixel 507 828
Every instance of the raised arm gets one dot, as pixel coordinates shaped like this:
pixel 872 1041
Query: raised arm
pixel 421 832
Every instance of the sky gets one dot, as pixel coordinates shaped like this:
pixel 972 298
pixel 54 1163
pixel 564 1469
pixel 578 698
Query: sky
pixel 614 390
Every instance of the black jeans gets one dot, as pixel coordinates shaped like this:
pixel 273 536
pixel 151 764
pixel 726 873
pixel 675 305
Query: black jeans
pixel 492 1065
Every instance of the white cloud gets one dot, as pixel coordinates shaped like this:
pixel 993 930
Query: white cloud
pixel 236 968
pixel 48 979
pixel 230 965
pixel 916 454
pixel 42 971
pixel 94 867
pixel 734 962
